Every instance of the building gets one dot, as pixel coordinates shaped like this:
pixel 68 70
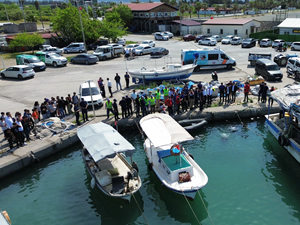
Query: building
pixel 187 27
pixel 239 27
pixel 290 26
pixel 147 17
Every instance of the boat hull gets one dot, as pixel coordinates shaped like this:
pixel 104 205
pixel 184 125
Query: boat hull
pixel 293 147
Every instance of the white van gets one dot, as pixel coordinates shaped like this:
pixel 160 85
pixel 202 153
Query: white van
pixel 85 93
pixel 294 64
pixel 208 58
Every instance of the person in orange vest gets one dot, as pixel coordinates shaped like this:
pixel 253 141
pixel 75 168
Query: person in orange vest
pixel 35 115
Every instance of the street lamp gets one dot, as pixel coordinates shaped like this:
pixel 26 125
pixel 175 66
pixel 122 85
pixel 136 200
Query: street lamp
pixel 77 5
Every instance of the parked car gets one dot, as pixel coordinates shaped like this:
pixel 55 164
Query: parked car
pixel 236 41
pixel 159 51
pixel 266 42
pixel 248 43
pixel 115 45
pixel 295 46
pixel 200 37
pixel 171 35
pixel 85 93
pixel 52 59
pixel 142 50
pixel 75 47
pixel 227 39
pixel 53 50
pixel 97 43
pixel 148 42
pixel 293 64
pixel 18 71
pixel 162 37
pixel 217 37
pixel 207 41
pixel 84 58
pixel 268 69
pixel 276 42
pixel 189 37
pixel 32 61
pixel 121 41
pixel 131 46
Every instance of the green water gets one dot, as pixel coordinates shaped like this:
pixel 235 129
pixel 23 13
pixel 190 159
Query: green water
pixel 252 180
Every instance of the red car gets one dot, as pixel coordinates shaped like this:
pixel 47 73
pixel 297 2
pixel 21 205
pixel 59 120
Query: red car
pixel 189 37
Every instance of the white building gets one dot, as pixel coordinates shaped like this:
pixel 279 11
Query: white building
pixel 223 27
pixel 290 26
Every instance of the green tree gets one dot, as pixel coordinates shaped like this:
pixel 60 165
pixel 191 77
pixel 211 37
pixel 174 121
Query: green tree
pixel 217 9
pixel 205 6
pixel 190 9
pixel 198 6
pixel 235 7
pixel 124 11
pixel 173 3
pixel 27 40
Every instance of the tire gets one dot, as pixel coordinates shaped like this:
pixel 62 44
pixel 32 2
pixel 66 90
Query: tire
pixel 118 55
pixel 80 51
pixel 87 62
pixel 283 61
pixel 54 64
pixel 197 69
pixel 65 52
pixel 72 61
pixel 141 54
pixel 286 141
pixel 2 75
pixel 292 48
pixel 280 140
pixel 104 58
pixel 20 77
pixel 252 63
pixel 229 66
pixel 150 166
pixel 135 166
pixel 209 44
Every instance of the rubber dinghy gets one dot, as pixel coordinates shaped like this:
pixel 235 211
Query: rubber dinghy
pixel 103 158
pixel 192 124
pixel 171 163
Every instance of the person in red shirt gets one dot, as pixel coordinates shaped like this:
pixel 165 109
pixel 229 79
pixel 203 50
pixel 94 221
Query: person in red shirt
pixel 169 103
pixel 35 115
pixel 246 91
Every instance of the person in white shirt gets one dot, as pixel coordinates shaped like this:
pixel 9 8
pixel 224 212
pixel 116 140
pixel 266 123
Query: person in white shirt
pixel 209 95
pixel 133 97
pixel 3 125
pixel 109 85
pixel 21 132
pixel 204 95
pixel 8 120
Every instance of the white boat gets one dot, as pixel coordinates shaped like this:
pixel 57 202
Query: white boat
pixel 169 72
pixel 284 124
pixel 175 168
pixel 106 163
pixel 4 218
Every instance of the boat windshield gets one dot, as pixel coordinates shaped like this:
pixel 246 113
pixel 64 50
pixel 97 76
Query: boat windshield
pixel 273 67
pixel 86 91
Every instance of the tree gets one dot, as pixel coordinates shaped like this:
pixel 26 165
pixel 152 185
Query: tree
pixel 27 40
pixel 205 6
pixel 198 6
pixel 190 9
pixel 165 1
pixel 235 7
pixel 217 9
pixel 124 11
pixel 173 2
pixel 182 10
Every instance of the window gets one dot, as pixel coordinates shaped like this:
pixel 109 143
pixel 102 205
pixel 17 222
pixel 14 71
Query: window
pixel 208 31
pixel 146 14
pixel 297 64
pixel 235 32
pixel 173 14
pixel 166 14
pixel 152 14
pixel 141 14
pixel 221 31
pixel 135 14
pixel 159 14
pixel 213 56
pixel 223 56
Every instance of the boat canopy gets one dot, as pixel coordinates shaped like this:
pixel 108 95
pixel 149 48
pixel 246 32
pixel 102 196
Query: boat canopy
pixel 287 96
pixel 102 140
pixel 162 129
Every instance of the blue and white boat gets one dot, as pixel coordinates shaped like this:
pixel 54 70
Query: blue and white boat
pixel 172 71
pixel 175 168
pixel 284 125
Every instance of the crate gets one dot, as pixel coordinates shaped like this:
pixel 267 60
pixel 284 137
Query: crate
pixel 255 82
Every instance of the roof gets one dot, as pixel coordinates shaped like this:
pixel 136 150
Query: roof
pixel 227 21
pixel 146 6
pixel 102 140
pixel 290 23
pixel 187 22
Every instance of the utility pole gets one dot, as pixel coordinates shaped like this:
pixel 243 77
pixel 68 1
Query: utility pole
pixel 6 13
pixel 79 9
pixel 21 2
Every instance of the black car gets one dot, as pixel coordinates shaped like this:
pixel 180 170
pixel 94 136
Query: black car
pixel 84 58
pixel 94 45
pixel 248 43
pixel 156 52
pixel 201 37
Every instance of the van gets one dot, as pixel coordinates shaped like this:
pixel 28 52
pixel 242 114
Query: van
pixel 52 59
pixel 293 64
pixel 86 90
pixel 75 47
pixel 32 61
pixel 209 58
pixel 295 46
pixel 268 69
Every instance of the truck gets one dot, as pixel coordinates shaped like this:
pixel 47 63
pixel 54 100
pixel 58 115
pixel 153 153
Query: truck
pixel 209 58
pixel 255 56
pixel 52 59
pixel 32 61
pixel 105 52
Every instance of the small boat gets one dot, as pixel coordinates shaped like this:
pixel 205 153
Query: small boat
pixel 192 124
pixel 171 71
pixel 4 218
pixel 104 159
pixel 175 168
pixel 284 125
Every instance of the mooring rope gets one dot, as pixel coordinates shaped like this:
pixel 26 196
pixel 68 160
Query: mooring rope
pixel 205 208
pixel 190 207
pixel 247 126
pixel 139 208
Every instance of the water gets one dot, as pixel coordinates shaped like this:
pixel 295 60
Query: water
pixel 252 180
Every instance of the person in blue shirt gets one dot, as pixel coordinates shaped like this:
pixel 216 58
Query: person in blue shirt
pixel 77 110
pixel 222 92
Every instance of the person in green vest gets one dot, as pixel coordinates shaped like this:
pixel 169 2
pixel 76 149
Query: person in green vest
pixel 147 104
pixel 166 93
pixel 152 102
pixel 109 107
pixel 157 98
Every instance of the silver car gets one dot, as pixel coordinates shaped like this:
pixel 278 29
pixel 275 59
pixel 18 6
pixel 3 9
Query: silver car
pixel 53 50
pixel 19 71
pixel 142 50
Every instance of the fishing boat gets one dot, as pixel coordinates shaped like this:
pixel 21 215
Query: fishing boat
pixel 192 124
pixel 4 218
pixel 171 71
pixel 175 168
pixel 284 125
pixel 103 155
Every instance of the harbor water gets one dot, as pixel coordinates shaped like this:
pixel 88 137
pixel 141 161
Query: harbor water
pixel 251 180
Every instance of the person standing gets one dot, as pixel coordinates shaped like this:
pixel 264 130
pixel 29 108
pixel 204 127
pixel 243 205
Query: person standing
pixel 118 83
pixel 83 105
pixel 60 105
pixel 169 103
pixel 133 97
pixel 21 131
pixel 115 108
pixel 191 98
pixel 127 77
pixel 109 108
pixel 157 98
pixel 77 110
pixel 264 93
pixel 129 105
pixel 109 86
pixel 177 103
pixel 35 115
pixel 228 93
pixel 26 127
pixel 69 102
pixel 44 111
pixel 143 106
pixel 261 87
pixel 9 137
pixel 122 103
pixel 209 94
pixel 166 93
pixel 75 99
pixel 3 125
pixel 101 86
pixel 138 105
pixel 246 91
pixel 152 103
pixel 234 88
pixel 201 99
pixel 37 106
pixel 221 91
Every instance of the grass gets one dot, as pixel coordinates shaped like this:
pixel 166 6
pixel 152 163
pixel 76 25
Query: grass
pixel 12 55
pixel 131 42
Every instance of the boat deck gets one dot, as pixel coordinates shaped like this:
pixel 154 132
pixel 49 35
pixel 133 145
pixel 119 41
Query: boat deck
pixel 176 162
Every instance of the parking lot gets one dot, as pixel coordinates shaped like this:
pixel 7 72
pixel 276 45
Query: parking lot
pixel 17 95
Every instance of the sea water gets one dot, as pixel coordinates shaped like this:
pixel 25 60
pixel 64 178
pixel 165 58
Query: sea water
pixel 251 180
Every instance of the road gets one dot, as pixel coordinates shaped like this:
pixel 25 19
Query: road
pixel 16 95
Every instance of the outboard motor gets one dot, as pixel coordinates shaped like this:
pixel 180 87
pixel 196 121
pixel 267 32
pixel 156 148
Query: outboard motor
pixel 214 76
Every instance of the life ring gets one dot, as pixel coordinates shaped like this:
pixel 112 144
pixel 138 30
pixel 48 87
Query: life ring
pixel 5 214
pixel 143 68
pixel 176 149
pixel 280 140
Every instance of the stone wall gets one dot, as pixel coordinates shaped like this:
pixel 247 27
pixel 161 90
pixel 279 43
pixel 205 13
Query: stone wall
pixel 29 27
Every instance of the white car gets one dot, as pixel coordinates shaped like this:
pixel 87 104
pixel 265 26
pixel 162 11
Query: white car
pixel 236 41
pixel 121 41
pixel 171 35
pixel 19 71
pixel 295 46
pixel 114 45
pixel 207 41
pixel 53 50
pixel 266 42
pixel 217 37
pixel 131 46
pixel 148 42
pixel 227 39
pixel 142 50
pixel 85 93
pixel 161 36
pixel 276 42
